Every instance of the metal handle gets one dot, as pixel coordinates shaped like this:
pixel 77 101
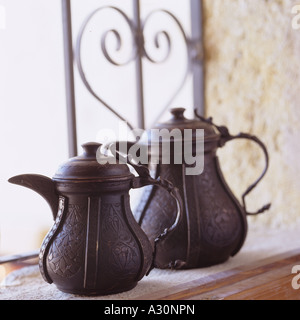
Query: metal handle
pixel 225 137
pixel 143 179
pixel 253 185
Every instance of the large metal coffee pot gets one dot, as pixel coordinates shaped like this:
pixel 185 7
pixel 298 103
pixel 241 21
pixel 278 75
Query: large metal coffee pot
pixel 214 224
pixel 95 245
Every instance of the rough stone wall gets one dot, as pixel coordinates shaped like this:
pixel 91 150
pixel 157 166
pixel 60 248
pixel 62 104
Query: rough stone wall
pixel 253 85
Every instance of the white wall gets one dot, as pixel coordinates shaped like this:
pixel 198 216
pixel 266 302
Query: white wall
pixel 33 122
pixel 33 118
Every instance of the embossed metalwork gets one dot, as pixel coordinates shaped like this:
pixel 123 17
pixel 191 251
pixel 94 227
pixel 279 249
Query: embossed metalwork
pixel 214 224
pixel 66 253
pixel 95 245
pixel 45 245
pixel 221 221
pixel 119 246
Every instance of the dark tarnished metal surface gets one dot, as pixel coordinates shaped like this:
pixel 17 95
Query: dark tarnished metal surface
pixel 214 225
pixel 95 246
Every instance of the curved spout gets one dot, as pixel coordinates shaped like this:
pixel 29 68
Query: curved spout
pixel 43 185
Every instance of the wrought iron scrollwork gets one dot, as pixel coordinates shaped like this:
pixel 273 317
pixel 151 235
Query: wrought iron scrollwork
pixel 164 34
pixel 118 38
pixel 106 54
pixel 138 49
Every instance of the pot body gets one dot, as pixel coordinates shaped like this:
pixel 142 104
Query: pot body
pixel 213 226
pixel 95 245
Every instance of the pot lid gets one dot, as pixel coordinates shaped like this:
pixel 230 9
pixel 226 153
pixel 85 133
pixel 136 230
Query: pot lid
pixel 93 165
pixel 179 121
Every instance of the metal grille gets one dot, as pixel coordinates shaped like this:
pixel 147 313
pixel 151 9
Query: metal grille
pixel 195 68
pixel 193 46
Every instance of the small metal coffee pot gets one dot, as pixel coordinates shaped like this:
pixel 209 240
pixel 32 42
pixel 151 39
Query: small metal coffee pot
pixel 95 245
pixel 214 224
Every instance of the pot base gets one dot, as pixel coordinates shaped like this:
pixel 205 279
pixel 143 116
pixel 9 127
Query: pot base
pixel 96 292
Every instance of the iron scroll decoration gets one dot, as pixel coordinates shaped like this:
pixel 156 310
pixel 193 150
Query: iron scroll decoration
pixel 193 51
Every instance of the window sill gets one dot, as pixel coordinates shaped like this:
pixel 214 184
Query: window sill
pixel 261 270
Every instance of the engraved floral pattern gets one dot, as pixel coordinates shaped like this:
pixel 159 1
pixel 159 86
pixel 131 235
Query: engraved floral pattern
pixel 220 217
pixel 118 244
pixel 67 250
